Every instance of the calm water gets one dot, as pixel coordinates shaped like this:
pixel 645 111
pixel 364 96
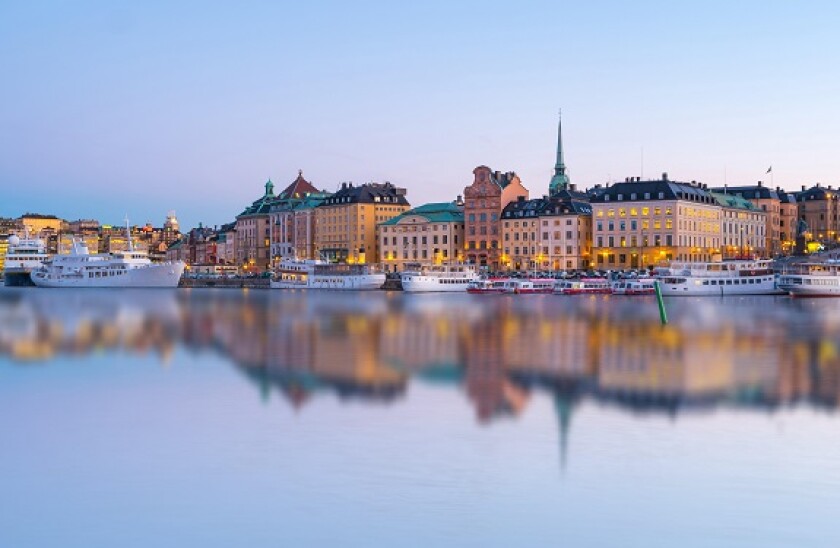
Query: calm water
pixel 237 418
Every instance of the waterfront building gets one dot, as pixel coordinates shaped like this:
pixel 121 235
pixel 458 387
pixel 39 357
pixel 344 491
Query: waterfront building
pixel 253 236
pixel 547 234
pixel 293 220
pixel 743 227
pixel 226 244
pixel 781 214
pixel 345 222
pixel 643 223
pixel 818 207
pixel 484 200
pixel 37 224
pixel 4 248
pixel 426 235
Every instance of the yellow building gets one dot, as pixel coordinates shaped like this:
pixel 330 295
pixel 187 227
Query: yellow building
pixel 426 235
pixel 36 224
pixel 638 224
pixel 346 222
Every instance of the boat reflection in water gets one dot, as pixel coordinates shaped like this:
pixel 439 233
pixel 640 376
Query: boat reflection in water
pixel 749 352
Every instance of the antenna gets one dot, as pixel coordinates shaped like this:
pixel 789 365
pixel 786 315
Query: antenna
pixel 128 234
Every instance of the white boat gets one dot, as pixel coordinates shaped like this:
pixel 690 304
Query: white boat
pixel 718 278
pixel 634 286
pixel 22 257
pixel 316 274
pixel 484 286
pixel 583 286
pixel 812 279
pixel 131 268
pixel 531 285
pixel 439 278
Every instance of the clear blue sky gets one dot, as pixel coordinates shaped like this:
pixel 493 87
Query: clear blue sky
pixel 108 108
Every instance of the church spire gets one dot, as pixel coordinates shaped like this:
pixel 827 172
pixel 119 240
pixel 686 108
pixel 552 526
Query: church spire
pixel 560 181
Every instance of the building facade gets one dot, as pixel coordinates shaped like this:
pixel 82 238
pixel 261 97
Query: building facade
pixel 547 234
pixel 253 234
pixel 484 200
pixel 346 222
pixel 743 227
pixel 819 208
pixel 426 235
pixel 638 224
pixel 293 220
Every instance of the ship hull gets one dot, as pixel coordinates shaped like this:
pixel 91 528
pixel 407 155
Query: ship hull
pixel 156 275
pixel 340 283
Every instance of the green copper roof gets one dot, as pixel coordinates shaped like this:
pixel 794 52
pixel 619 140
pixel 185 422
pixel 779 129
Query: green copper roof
pixel 560 180
pixel 733 200
pixel 439 212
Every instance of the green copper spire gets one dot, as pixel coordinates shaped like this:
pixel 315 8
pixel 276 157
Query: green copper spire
pixel 560 181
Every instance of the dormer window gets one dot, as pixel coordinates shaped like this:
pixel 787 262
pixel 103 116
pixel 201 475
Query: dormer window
pixel 647 195
pixel 661 195
pixel 620 197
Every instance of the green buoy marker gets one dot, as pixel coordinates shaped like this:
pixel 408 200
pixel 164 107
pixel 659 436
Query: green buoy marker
pixel 663 317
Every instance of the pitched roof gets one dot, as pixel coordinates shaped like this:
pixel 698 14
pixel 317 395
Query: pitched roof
pixel 545 206
pixel 439 212
pixel 670 190
pixel 261 205
pixel 367 193
pixel 298 189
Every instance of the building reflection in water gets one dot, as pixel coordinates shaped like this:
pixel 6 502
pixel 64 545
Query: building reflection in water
pixel 758 353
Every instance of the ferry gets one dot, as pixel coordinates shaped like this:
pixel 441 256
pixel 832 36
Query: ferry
pixel 812 279
pixel 634 286
pixel 131 268
pixel 583 286
pixel 738 277
pixel 531 285
pixel 317 274
pixel 483 286
pixel 439 278
pixel 22 257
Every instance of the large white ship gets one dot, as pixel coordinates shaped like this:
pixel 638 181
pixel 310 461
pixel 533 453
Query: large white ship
pixel 812 279
pixel 130 268
pixel 316 274
pixel 718 278
pixel 441 278
pixel 22 257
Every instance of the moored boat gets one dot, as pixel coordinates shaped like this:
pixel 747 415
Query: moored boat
pixel 316 274
pixel 583 286
pixel 812 279
pixel 634 286
pixel 487 286
pixel 438 278
pixel 718 278
pixel 130 268
pixel 22 257
pixel 531 286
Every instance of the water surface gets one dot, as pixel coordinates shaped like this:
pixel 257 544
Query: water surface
pixel 267 418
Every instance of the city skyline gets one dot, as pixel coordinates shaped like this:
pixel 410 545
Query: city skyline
pixel 146 109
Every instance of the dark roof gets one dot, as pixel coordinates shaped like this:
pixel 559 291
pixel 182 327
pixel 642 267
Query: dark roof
pixel 546 206
pixel 817 192
pixel 750 192
pixel 367 193
pixel 629 191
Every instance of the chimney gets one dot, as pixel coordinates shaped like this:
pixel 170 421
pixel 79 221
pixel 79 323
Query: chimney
pixel 627 179
pixel 760 184
pixel 343 186
pixel 664 175
pixel 803 188
pixel 520 198
pixel 572 187
pixel 459 200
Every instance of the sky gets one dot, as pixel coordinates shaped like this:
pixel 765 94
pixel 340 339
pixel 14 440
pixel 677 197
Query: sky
pixel 110 108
